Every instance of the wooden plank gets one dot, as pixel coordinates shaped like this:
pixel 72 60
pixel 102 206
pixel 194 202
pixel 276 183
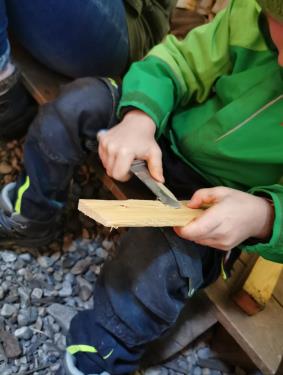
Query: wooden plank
pixel 137 213
pixel 260 336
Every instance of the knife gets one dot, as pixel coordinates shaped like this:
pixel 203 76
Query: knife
pixel 162 193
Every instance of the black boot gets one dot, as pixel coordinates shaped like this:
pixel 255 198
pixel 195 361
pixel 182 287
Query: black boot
pixel 15 229
pixel 17 107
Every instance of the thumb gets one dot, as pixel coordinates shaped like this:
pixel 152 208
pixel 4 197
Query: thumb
pixel 204 197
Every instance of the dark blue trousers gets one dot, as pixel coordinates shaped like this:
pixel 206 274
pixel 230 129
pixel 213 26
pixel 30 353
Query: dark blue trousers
pixel 76 38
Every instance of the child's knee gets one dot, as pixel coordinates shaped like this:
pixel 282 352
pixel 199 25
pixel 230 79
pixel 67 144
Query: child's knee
pixel 63 127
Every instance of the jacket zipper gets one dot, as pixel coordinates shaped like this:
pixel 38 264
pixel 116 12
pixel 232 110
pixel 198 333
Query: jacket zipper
pixel 239 126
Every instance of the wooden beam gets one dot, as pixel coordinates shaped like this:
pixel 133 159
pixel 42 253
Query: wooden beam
pixel 137 213
pixel 260 336
pixel 259 286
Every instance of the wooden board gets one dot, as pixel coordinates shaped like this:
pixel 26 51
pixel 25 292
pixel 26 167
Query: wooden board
pixel 260 336
pixel 137 213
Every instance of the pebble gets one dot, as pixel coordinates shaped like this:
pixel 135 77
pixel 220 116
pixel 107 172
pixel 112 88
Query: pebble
pixel 8 310
pixel 23 333
pixel 85 287
pixel 66 290
pixel 101 253
pixel 8 256
pixel 36 294
pixel 2 293
pixel 81 266
pixel 62 314
pixel 45 261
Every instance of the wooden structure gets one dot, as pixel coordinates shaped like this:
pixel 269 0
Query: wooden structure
pixel 260 336
pixel 258 287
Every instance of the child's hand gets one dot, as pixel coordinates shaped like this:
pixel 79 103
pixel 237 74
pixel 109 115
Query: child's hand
pixel 233 218
pixel 133 138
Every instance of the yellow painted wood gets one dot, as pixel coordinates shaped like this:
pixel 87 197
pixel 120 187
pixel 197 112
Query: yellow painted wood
pixel 137 213
pixel 262 280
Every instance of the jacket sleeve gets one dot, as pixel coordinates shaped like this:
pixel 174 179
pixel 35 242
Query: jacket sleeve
pixel 272 249
pixel 177 72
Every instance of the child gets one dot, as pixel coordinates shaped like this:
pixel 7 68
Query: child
pixel 213 102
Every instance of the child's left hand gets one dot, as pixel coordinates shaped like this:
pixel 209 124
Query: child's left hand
pixel 234 216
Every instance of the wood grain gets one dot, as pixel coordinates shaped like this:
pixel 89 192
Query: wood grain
pixel 137 213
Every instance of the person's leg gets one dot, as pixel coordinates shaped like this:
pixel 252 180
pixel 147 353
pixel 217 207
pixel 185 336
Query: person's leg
pixel 17 109
pixel 56 143
pixel 76 38
pixel 138 298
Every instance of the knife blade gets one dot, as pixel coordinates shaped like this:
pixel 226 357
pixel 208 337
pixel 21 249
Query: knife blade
pixel 162 193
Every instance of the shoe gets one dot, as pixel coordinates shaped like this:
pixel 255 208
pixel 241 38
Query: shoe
pixel 15 229
pixel 68 367
pixel 17 107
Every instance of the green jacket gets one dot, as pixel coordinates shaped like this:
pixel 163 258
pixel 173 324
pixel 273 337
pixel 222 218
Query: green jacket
pixel 148 23
pixel 218 96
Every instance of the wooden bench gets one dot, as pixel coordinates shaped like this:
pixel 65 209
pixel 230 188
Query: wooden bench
pixel 260 336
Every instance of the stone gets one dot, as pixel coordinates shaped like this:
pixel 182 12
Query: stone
pixel 27 316
pixel 101 253
pixel 26 257
pixel 205 352
pixel 81 266
pixel 45 261
pixel 66 290
pixel 23 333
pixel 8 310
pixel 152 371
pixel 5 168
pixel 36 294
pixel 62 315
pixel 24 294
pixel 8 256
pixel 10 345
pixel 85 287
pixel 2 293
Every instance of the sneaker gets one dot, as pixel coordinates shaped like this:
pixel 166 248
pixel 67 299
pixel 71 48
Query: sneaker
pixel 17 107
pixel 68 367
pixel 16 229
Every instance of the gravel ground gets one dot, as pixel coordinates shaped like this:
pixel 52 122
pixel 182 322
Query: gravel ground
pixel 41 290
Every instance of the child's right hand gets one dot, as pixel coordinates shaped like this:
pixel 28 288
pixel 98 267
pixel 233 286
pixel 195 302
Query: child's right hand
pixel 133 138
